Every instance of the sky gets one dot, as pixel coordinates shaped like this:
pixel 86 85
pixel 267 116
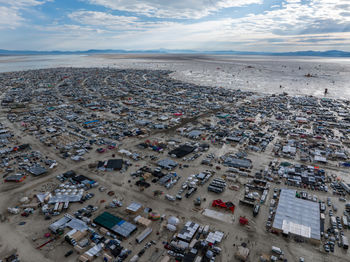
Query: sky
pixel 202 25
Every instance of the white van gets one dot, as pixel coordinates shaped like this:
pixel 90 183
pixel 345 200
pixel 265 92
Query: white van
pixel 277 250
pixel 170 197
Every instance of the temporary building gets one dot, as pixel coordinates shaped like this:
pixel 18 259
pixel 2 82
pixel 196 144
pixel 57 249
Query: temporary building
pixel 153 215
pixel 115 224
pixel 215 237
pixel 173 221
pixel 142 221
pixel 171 227
pixel 143 235
pixel 182 151
pixel 15 178
pixel 237 162
pixel 110 165
pixel 134 207
pixel 297 216
pixel 188 232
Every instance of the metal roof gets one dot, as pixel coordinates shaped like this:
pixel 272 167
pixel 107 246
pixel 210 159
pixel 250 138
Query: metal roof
pixel 134 207
pixel 167 163
pixel 77 224
pixel 237 162
pixel 61 223
pixel 297 216
pixel 188 232
pixel 72 197
pixel 115 224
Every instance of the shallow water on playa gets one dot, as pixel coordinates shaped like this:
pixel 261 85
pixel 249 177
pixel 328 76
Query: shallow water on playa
pixel 263 74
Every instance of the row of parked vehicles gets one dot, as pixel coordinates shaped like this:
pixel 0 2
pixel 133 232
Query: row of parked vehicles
pixel 335 234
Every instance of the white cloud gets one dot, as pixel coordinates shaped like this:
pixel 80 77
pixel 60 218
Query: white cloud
pixel 10 12
pixel 190 9
pixel 9 18
pixel 292 18
pixel 103 19
pixel 292 26
pixel 318 24
pixel 23 3
pixel 107 21
pixel 320 16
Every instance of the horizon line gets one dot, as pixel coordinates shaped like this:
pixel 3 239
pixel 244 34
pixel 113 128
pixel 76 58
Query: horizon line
pixel 329 53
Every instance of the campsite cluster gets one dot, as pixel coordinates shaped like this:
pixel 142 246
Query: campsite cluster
pixel 131 165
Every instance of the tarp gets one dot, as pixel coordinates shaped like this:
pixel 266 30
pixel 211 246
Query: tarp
pixel 285 164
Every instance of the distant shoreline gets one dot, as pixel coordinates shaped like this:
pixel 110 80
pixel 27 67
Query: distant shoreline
pixel 309 53
pixel 260 74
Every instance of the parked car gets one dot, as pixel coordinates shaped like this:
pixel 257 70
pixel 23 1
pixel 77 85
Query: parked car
pixel 326 248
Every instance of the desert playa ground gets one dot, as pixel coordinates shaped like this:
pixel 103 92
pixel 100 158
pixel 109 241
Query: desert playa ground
pixel 270 75
pixel 123 98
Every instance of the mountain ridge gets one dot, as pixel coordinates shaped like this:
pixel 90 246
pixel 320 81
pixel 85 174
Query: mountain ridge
pixel 328 53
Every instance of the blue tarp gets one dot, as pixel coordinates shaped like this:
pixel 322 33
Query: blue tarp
pixel 90 122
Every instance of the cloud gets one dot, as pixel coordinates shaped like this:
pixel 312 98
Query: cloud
pixel 292 18
pixel 11 12
pixel 151 24
pixel 315 16
pixel 9 18
pixel 114 23
pixel 180 9
pixel 23 3
pixel 317 40
pixel 345 13
pixel 284 26
pixel 103 19
pixel 343 6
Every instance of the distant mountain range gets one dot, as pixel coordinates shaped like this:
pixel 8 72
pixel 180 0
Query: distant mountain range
pixel 329 53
